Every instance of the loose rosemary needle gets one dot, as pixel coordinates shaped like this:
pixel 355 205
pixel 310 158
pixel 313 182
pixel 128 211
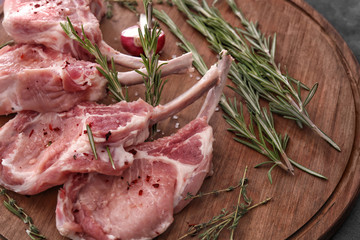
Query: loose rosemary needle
pixel 10 42
pixel 33 232
pixel 91 140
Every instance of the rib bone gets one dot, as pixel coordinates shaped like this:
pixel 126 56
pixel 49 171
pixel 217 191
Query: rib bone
pixel 174 66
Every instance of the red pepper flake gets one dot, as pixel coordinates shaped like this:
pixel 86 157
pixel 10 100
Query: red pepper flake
pixel 37 5
pixel 31 133
pixel 56 129
pixel 158 180
pixel 126 163
pixel 140 192
pixel 148 178
pixel 50 127
pixel 156 185
pixel 85 131
pixel 86 154
pixel 134 181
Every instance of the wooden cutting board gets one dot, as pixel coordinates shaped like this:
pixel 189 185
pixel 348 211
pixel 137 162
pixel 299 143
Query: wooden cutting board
pixel 302 206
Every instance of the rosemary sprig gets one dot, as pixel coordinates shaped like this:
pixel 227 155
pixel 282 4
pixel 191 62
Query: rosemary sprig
pixel 235 118
pixel 152 78
pixel 245 134
pixel 33 232
pixel 110 74
pixel 230 220
pixel 262 117
pixel 295 109
pixel 272 85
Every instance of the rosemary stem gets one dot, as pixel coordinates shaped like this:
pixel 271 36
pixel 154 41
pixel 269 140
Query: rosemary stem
pixel 260 203
pixel 238 204
pixel 213 192
pixel 287 162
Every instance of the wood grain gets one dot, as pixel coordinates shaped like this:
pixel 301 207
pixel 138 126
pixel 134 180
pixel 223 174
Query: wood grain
pixel 303 207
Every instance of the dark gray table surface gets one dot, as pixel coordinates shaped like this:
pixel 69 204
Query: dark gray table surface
pixel 344 15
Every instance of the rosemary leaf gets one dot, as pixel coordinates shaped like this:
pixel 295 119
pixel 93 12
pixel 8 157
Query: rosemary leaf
pixel 91 140
pixel 11 42
pixel 110 157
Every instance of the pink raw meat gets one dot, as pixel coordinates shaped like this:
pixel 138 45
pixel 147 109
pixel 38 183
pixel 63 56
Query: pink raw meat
pixel 28 21
pixel 140 203
pixel 41 79
pixel 33 77
pixel 39 150
pixel 38 22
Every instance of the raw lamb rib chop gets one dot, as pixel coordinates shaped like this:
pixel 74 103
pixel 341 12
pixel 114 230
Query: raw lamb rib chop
pixel 28 21
pixel 33 77
pixel 41 79
pixel 140 203
pixel 39 150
